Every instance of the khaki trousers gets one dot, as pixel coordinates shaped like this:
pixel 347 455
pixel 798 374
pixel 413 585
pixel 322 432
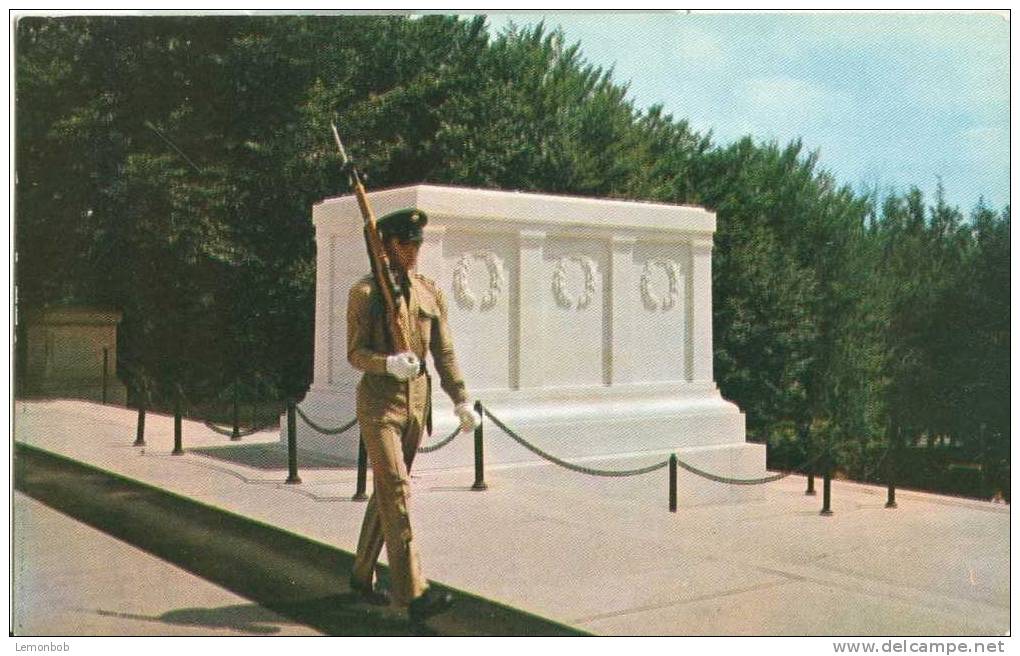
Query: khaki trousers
pixel 391 442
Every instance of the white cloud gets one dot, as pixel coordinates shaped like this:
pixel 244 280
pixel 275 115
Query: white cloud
pixel 781 92
pixel 783 108
pixel 987 143
pixel 696 46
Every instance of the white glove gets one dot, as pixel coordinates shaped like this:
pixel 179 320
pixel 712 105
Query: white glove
pixel 403 366
pixel 469 419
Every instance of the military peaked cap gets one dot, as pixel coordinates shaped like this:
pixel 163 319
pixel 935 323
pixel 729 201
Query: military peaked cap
pixel 405 224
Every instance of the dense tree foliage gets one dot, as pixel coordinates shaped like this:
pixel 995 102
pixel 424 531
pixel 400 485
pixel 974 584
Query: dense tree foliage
pixel 166 166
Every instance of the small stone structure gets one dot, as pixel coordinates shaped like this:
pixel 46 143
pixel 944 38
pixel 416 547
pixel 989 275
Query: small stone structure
pixel 66 350
pixel 584 324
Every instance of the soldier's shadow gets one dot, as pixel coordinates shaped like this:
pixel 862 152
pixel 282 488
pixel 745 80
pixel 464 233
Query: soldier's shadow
pixel 243 618
pixel 334 615
pixel 272 456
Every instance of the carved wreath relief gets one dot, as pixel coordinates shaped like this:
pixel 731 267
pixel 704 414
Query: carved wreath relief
pixel 566 299
pixel 462 289
pixel 653 297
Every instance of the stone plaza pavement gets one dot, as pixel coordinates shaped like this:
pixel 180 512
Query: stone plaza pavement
pixel 604 554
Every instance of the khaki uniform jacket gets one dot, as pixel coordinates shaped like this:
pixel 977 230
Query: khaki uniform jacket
pixel 381 397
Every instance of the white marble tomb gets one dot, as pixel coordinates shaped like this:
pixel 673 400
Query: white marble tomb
pixel 585 324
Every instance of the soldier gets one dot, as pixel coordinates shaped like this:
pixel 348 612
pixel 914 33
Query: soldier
pixel 394 408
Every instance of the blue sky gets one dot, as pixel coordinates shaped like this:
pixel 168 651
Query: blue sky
pixel 888 99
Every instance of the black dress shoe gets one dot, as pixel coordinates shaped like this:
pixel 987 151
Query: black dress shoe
pixel 369 594
pixel 429 604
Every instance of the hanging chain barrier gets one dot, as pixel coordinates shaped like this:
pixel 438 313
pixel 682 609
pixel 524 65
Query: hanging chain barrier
pixel 175 396
pixel 439 445
pixel 354 422
pixel 234 432
pixel 339 430
pixel 672 462
pixel 325 431
pixel 732 481
pixel 635 472
pixel 229 432
pixel 567 465
pixel 747 481
pixel 520 440
pixel 180 398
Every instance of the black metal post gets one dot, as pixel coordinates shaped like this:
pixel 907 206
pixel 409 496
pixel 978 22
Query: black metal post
pixel 479 455
pixel 236 434
pixel 140 433
pixel 292 442
pixel 804 434
pixel 106 365
pixel 890 469
pixel 891 462
pixel 891 497
pixel 359 494
pixel 672 482
pixel 826 494
pixel 178 438
pixel 984 457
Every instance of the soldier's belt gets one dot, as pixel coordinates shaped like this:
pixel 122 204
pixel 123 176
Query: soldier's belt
pixel 422 370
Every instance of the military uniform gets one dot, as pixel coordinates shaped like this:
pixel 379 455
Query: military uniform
pixel 393 415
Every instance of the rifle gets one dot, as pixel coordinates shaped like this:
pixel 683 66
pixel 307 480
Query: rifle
pixel 393 301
